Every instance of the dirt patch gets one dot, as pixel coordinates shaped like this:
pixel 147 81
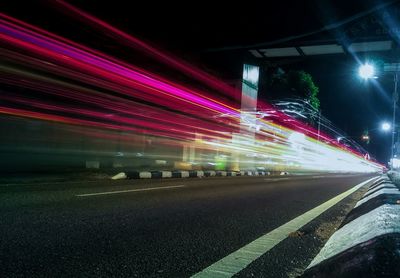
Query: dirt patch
pixel 297 234
pixel 326 229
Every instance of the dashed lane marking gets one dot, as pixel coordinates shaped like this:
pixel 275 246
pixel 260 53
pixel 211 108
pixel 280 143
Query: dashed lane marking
pixel 278 179
pixel 129 190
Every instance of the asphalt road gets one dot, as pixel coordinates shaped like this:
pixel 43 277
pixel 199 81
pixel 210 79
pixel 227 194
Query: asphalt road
pixel 174 228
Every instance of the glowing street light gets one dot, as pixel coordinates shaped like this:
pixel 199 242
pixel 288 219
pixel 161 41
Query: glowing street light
pixel 366 71
pixel 386 126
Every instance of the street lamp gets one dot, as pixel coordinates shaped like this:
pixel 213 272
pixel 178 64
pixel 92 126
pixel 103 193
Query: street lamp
pixel 386 126
pixel 366 71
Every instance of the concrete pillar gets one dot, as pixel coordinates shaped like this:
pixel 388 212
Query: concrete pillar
pixel 248 108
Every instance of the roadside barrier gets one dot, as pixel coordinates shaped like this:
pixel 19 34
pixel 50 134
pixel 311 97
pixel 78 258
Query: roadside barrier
pixel 367 244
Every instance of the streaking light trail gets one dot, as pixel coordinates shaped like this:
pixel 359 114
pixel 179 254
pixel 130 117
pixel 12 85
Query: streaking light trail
pixel 79 94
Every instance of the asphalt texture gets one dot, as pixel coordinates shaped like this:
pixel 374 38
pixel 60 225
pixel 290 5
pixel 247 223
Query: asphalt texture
pixel 47 230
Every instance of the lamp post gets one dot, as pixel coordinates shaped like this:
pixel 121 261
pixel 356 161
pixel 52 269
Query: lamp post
pixel 367 71
pixel 395 98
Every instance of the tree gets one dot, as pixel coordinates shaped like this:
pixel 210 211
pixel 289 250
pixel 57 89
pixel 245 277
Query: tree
pixel 294 82
pixel 302 83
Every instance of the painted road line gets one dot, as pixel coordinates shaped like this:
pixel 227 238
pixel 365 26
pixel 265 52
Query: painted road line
pixel 241 258
pixel 343 176
pixel 130 190
pixel 277 179
pixel 319 177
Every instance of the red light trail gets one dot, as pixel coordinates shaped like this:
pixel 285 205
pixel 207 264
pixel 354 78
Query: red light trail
pixel 72 84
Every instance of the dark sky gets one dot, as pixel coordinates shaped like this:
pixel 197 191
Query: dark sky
pixel 191 28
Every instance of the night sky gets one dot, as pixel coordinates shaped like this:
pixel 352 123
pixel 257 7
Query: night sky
pixel 191 29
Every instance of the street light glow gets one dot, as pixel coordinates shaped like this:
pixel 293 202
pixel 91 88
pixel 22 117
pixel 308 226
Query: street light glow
pixel 386 126
pixel 366 71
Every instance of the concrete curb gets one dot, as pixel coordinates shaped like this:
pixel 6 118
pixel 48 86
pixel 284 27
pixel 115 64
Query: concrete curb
pixel 185 174
pixel 368 242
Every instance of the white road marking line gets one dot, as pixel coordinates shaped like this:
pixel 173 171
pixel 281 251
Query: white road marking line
pixel 318 177
pixel 305 177
pixel 241 258
pixel 333 176
pixel 278 179
pixel 129 190
pixel 342 176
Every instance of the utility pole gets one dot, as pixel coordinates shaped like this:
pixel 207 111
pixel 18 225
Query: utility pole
pixel 395 69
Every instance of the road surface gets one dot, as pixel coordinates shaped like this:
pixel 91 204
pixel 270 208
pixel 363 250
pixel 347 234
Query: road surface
pixel 155 228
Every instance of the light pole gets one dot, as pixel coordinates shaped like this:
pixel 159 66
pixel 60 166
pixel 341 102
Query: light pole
pixel 395 98
pixel 367 71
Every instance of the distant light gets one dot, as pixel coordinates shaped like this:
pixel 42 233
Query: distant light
pixel 339 138
pixel 365 137
pixel 366 71
pixel 386 126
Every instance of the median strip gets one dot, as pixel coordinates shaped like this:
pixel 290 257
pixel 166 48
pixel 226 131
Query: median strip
pixel 241 258
pixel 130 190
